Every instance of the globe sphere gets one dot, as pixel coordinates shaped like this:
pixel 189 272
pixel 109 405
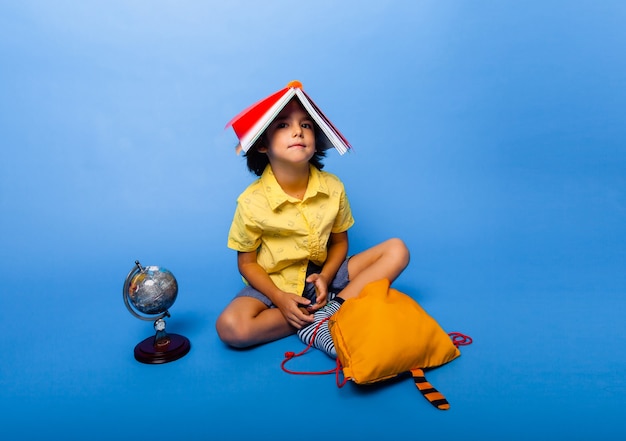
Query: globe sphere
pixel 151 290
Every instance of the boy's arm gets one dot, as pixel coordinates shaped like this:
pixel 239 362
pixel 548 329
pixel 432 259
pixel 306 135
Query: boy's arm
pixel 337 252
pixel 288 303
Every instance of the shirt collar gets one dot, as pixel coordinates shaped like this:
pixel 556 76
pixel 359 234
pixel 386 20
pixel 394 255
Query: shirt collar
pixel 275 194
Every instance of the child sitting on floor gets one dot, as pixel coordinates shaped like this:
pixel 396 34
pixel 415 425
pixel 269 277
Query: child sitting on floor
pixel 290 231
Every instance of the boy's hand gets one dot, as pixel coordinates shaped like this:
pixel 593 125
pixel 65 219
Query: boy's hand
pixel 292 306
pixel 321 291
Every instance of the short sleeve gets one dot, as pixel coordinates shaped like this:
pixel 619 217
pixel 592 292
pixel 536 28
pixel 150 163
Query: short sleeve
pixel 344 219
pixel 244 235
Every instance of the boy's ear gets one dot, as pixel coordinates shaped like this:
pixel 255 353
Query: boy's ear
pixel 262 145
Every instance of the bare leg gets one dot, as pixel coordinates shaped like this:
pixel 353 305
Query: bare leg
pixel 383 261
pixel 247 322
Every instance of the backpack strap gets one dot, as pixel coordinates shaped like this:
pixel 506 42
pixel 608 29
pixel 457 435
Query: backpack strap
pixel 433 396
pixel 291 355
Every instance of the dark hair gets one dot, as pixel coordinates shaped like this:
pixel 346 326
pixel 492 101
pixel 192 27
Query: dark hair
pixel 257 161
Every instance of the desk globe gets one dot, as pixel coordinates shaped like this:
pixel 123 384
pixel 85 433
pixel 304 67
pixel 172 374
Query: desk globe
pixel 149 292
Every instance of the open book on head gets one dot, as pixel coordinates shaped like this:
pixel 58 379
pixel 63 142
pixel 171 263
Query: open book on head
pixel 252 122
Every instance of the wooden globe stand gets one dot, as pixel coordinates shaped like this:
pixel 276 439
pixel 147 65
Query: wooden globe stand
pixel 163 349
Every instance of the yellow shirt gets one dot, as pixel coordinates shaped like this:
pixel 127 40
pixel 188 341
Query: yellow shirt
pixel 287 232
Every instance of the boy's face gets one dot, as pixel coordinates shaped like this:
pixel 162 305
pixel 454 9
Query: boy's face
pixel 291 136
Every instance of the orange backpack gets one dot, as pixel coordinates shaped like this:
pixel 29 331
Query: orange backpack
pixel 383 333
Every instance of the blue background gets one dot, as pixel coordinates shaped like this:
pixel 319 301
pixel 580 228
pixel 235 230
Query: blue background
pixel 489 135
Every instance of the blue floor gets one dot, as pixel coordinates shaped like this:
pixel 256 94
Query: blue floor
pixel 490 137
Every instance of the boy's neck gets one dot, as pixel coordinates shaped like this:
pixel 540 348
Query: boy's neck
pixel 293 180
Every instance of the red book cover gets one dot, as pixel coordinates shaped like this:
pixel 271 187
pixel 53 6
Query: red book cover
pixel 249 124
pixel 246 119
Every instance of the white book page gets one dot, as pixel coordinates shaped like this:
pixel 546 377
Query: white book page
pixel 324 125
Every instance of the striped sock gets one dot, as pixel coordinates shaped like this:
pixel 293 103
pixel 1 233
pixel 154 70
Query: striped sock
pixel 323 339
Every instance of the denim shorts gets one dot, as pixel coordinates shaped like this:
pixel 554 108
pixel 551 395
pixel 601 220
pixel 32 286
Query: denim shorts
pixel 340 281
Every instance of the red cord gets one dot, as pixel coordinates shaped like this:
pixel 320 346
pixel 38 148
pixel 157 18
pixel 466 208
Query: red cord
pixel 459 339
pixel 290 355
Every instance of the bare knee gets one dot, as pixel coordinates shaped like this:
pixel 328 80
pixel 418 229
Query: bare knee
pixel 397 250
pixel 231 331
